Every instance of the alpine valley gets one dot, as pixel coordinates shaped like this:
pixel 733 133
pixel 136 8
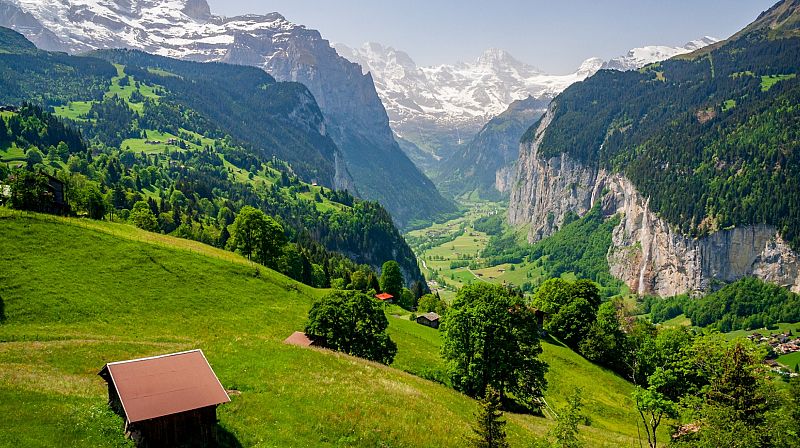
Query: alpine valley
pixel 229 232
pixel 455 121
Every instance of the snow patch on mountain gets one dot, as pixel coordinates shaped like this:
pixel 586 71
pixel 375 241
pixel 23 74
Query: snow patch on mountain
pixel 639 57
pixel 463 94
pixel 183 29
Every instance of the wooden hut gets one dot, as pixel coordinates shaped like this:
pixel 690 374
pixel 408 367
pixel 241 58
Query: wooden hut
pixel 168 400
pixel 429 320
pixel 300 339
pixel 59 192
pixel 385 297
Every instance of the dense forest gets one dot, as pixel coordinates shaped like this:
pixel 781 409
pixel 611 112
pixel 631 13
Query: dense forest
pixel 744 305
pixel 710 139
pixel 141 143
pixel 580 246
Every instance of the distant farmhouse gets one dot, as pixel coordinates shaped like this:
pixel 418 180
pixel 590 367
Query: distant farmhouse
pixel 429 320
pixel 59 192
pixel 385 297
pixel 168 400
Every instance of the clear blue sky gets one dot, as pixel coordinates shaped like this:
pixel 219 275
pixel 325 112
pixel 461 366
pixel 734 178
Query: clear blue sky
pixel 554 35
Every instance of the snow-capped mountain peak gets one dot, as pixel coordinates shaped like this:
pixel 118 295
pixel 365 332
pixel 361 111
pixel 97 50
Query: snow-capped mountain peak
pixel 589 67
pixel 639 57
pixel 497 58
pixel 464 95
pixel 467 95
pixel 175 28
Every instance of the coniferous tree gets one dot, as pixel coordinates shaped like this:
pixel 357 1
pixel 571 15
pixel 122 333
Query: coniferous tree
pixel 392 279
pixel 489 430
pixel 565 433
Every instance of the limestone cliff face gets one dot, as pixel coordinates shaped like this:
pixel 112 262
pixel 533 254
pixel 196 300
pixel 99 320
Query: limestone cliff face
pixel 545 190
pixel 646 253
pixel 653 258
pixel 504 179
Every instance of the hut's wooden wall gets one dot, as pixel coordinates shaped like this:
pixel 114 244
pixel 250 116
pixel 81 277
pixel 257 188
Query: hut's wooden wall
pixel 196 428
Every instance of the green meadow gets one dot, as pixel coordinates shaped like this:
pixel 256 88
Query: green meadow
pixel 79 294
pixel 768 81
pixel 466 245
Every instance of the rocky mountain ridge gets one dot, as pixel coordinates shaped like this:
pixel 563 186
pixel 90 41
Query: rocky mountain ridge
pixel 444 106
pixel 185 29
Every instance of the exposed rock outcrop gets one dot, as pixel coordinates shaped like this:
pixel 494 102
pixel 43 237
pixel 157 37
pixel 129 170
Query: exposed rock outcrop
pixel 648 254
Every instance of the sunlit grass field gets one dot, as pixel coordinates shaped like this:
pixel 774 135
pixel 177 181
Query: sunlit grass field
pixel 466 246
pixel 82 293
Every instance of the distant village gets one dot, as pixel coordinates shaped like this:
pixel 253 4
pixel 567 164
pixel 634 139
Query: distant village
pixel 780 344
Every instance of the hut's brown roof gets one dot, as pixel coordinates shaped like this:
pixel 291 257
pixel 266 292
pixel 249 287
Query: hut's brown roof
pixel 433 317
pixel 384 296
pixel 164 385
pixel 300 339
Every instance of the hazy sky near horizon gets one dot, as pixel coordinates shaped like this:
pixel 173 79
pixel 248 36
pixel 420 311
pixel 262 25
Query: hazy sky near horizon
pixel 553 35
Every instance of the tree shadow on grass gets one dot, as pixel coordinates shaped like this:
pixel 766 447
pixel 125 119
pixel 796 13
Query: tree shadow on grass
pixel 547 338
pixel 509 404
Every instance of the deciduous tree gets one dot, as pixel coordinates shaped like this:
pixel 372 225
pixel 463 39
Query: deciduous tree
pixel 354 323
pixel 143 218
pixel 392 278
pixel 490 339
pixel 29 191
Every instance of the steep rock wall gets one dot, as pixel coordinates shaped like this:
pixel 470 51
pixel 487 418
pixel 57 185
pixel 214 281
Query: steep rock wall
pixel 646 253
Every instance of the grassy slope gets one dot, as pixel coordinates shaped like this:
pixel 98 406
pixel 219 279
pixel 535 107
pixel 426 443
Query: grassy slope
pixel 80 293
pixel 791 360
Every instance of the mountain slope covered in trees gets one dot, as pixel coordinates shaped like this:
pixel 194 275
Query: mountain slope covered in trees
pixel 709 137
pixel 369 164
pixel 166 133
pixel 223 97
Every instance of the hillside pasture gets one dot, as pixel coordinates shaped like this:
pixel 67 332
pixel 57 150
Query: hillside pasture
pixel 82 293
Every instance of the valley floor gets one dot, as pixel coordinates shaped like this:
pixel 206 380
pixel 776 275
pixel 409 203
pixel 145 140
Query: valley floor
pixel 445 251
